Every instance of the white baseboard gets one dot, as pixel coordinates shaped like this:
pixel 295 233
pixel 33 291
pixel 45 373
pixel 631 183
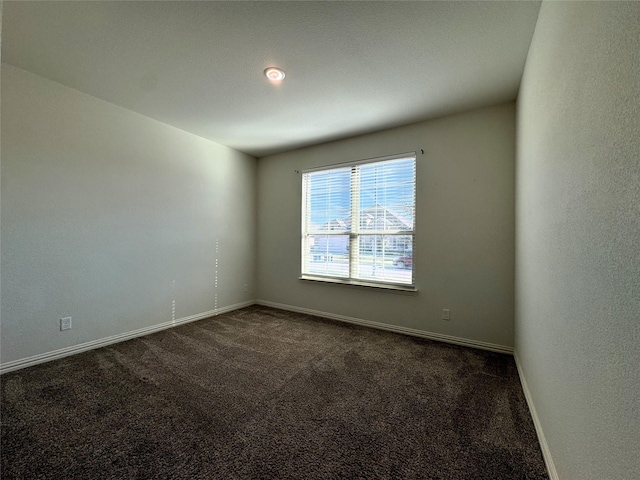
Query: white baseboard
pixel 83 347
pixel 393 328
pixel 546 453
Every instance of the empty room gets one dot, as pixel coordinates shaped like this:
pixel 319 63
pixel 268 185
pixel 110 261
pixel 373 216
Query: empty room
pixel 320 240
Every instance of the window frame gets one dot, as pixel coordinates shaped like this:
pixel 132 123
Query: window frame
pixel 355 232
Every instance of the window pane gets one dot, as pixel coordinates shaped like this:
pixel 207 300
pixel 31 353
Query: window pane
pixel 329 200
pixel 385 258
pixel 327 255
pixel 387 195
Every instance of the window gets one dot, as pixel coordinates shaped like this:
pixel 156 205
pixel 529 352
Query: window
pixel 358 221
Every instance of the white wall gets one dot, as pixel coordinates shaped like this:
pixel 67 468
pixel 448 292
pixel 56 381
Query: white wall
pixel 578 236
pixel 109 216
pixel 464 254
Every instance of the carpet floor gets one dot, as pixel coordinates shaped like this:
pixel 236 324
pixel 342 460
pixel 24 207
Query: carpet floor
pixel 261 393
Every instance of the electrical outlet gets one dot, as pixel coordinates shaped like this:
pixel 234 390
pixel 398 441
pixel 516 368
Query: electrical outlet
pixel 445 314
pixel 246 287
pixel 65 323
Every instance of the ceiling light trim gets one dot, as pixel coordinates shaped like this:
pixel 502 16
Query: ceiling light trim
pixel 274 74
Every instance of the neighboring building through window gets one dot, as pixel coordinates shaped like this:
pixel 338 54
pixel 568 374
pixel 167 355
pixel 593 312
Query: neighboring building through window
pixel 358 221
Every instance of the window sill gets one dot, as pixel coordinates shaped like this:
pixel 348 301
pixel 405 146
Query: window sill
pixel 392 288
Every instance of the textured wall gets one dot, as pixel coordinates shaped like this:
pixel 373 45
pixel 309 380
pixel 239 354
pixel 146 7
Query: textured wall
pixel 578 236
pixel 464 253
pixel 108 216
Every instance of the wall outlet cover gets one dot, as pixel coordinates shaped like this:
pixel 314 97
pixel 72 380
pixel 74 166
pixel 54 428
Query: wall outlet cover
pixel 65 323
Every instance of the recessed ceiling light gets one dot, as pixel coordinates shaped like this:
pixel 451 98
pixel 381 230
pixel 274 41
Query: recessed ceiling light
pixel 274 74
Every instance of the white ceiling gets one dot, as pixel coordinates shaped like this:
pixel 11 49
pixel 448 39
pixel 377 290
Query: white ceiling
pixel 352 67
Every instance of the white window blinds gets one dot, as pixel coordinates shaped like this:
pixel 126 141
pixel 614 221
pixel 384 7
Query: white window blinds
pixel 358 221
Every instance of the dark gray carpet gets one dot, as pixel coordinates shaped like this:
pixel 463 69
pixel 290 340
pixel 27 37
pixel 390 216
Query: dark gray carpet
pixel 261 393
